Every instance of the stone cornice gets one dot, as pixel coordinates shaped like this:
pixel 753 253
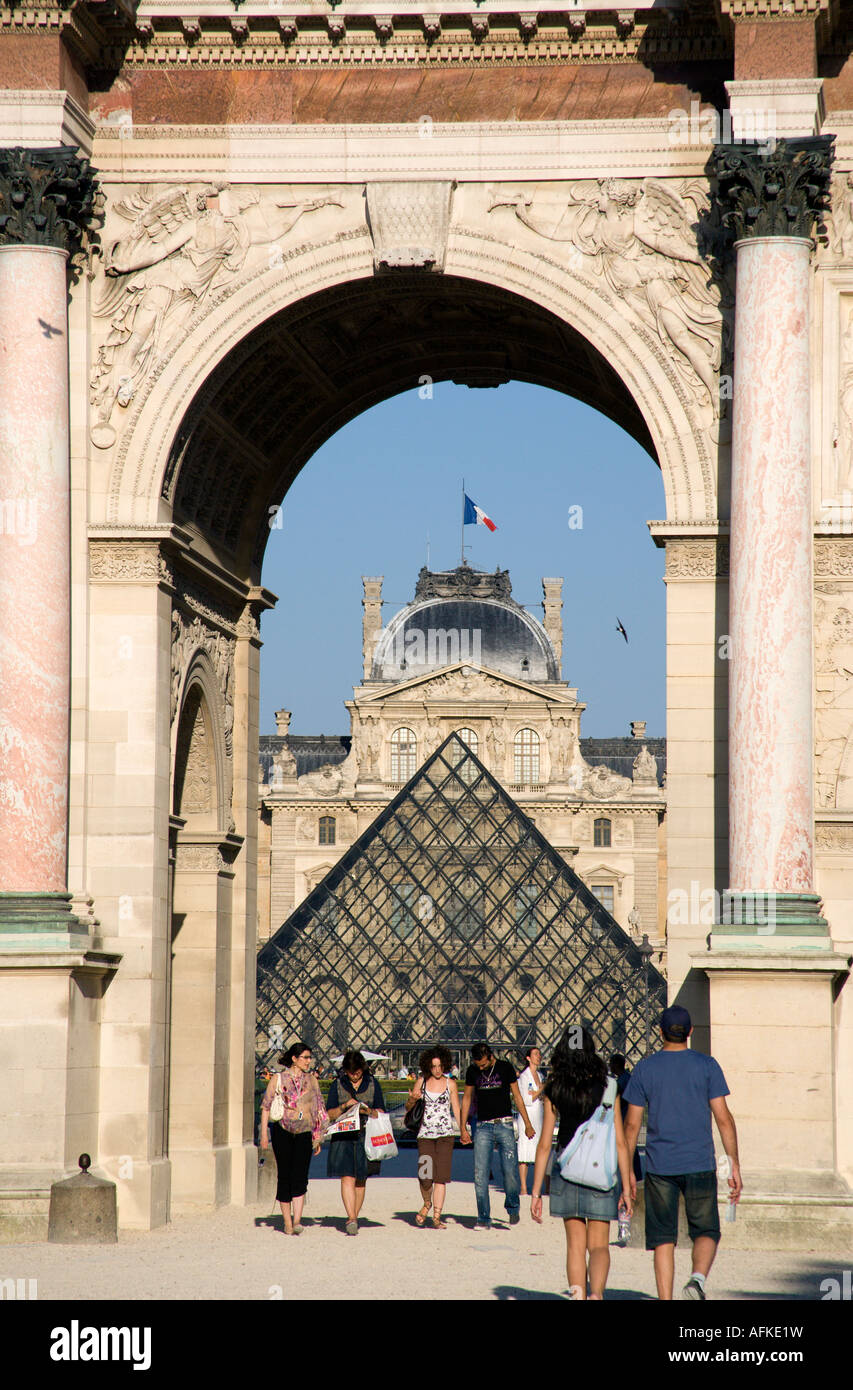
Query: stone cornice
pixel 781 190
pixel 243 39
pixel 48 197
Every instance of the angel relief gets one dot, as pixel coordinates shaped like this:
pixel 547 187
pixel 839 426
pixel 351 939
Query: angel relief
pixel 181 245
pixel 641 236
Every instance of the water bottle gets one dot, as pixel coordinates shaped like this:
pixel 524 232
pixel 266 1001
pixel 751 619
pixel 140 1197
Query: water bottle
pixel 623 1232
pixel 731 1214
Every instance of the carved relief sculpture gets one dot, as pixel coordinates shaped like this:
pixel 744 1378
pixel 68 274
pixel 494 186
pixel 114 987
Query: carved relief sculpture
pixel 641 237
pixel 834 690
pixel 181 245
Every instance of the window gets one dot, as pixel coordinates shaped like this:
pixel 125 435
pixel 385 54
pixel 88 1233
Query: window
pixel 469 737
pixel 404 897
pixel 526 749
pixel 326 917
pixel 601 832
pixel 327 830
pixel 404 752
pixel 464 913
pixel 525 912
pixel 604 893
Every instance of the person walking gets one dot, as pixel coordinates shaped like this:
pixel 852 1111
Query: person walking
pixel 435 1135
pixel 531 1085
pixel 577 1084
pixel 299 1131
pixel 353 1086
pixel 682 1090
pixel 493 1083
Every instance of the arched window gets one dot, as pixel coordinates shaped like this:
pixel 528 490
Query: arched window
pixel 525 910
pixel 327 830
pixel 526 749
pixel 404 753
pixel 601 832
pixel 469 737
pixel 404 898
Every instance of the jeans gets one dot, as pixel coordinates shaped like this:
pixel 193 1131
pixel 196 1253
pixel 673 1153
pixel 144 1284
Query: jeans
pixel 490 1135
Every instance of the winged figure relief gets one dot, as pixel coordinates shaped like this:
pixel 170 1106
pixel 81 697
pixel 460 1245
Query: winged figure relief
pixel 180 246
pixel 641 236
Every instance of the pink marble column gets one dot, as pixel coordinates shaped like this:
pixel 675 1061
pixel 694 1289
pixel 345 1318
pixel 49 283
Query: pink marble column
pixel 770 684
pixel 34 569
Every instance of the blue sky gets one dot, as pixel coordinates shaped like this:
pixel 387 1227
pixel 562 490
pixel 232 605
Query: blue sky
pixel 368 499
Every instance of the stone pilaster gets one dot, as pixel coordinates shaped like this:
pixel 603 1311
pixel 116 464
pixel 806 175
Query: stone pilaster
pixel 47 197
pixel 372 620
pixel 771 199
pixel 552 605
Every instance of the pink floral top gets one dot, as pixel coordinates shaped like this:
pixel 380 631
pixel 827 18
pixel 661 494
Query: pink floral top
pixel 303 1105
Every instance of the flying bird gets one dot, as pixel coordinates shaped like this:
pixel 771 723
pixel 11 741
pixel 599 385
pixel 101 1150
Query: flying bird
pixel 620 628
pixel 48 330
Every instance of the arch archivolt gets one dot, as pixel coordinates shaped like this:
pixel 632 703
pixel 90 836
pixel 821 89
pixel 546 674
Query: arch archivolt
pixel 202 711
pixel 616 260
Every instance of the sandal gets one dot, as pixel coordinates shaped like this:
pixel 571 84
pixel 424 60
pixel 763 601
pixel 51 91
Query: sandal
pixel 438 1224
pixel 422 1215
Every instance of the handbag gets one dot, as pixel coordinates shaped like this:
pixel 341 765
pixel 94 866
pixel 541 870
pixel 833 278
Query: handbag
pixel 414 1117
pixel 379 1139
pixel 277 1105
pixel 589 1158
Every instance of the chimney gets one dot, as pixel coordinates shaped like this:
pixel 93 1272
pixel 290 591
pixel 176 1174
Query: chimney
pixel 552 603
pixel 282 722
pixel 638 728
pixel 371 625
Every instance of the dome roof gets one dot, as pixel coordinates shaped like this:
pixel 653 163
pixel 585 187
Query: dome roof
pixel 464 615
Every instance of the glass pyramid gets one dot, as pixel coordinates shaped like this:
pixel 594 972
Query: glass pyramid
pixel 452 919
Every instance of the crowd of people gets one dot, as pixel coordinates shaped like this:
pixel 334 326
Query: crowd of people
pixel 577 1125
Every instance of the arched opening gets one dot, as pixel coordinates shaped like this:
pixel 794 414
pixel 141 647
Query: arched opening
pixel 198 1002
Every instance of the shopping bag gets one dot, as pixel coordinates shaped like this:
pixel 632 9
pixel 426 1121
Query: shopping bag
pixel 379 1139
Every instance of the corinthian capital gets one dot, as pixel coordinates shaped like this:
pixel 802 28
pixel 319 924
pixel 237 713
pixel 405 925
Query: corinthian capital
pixel 768 189
pixel 47 197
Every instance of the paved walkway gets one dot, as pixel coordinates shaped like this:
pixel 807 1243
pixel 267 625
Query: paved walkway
pixel 242 1253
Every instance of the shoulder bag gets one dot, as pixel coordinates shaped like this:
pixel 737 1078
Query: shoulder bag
pixel 589 1158
pixel 414 1116
pixel 277 1105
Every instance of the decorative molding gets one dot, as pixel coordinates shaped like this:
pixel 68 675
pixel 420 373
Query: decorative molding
pixel 48 197
pixel 833 557
pixel 774 189
pixel 834 837
pixel 697 559
pixel 124 561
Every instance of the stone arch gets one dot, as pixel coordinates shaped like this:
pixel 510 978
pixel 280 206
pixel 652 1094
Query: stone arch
pixel 629 373
pixel 199 759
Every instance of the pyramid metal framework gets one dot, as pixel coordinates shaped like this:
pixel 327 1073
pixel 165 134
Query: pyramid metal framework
pixel 452 919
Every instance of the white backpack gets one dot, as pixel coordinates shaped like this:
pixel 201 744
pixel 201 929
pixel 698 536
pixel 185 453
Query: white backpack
pixel 589 1158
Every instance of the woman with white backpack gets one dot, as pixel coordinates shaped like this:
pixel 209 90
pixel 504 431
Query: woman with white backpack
pixel 590 1158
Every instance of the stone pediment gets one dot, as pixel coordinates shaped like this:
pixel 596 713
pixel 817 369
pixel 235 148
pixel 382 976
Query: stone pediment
pixel 462 682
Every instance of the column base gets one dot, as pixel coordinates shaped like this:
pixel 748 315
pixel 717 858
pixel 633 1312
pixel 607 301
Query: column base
pixel 40 921
pixel 758 913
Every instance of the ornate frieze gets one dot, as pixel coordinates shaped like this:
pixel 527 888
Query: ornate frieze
pixel 834 837
pixel 697 559
pixel 833 557
pixel 127 560
pixel 774 189
pixel 48 197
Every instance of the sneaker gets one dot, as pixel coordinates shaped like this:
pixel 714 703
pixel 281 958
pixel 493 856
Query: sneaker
pixel 693 1290
pixel 514 1218
pixel 482 1225
pixel 352 1228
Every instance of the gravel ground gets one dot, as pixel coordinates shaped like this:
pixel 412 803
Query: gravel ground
pixel 242 1253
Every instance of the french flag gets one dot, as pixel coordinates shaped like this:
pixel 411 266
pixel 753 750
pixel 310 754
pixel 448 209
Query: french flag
pixel 475 516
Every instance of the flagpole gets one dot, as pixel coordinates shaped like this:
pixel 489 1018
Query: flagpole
pixel 463 521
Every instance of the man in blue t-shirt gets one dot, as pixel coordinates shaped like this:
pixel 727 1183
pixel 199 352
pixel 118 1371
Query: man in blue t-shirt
pixel 682 1090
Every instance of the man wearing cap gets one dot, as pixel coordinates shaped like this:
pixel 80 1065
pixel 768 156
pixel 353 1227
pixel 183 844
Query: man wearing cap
pixel 682 1090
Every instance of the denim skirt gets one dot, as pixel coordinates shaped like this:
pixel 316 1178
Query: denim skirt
pixel 569 1199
